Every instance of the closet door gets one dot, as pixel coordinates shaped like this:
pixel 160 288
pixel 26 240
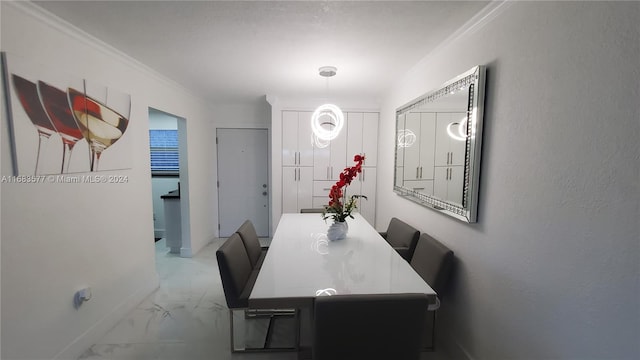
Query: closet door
pixel 370 138
pixel 289 138
pixel 412 153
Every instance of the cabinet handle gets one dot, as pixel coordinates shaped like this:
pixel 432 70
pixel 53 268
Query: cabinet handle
pixel 362 177
pixel 417 172
pixel 298 174
pixel 420 172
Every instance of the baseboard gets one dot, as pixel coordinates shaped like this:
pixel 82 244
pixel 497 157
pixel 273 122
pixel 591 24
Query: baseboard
pixel 100 328
pixel 159 233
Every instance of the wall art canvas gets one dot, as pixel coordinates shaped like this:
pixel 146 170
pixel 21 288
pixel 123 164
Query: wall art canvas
pixel 62 123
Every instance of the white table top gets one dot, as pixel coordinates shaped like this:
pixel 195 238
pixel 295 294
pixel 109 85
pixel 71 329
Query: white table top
pixel 302 264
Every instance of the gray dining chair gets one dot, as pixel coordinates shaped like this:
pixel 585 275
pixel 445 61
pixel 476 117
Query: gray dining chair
pixel 251 242
pixel 402 237
pixel 238 278
pixel 372 327
pixel 433 261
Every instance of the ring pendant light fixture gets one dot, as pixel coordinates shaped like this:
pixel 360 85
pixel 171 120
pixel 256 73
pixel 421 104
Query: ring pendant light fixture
pixel 327 120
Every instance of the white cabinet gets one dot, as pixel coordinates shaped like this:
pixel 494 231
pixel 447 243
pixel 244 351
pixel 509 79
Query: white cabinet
pixel 419 156
pixel 362 132
pixel 449 158
pixel 297 185
pixel 297 161
pixel 297 145
pixel 448 183
pixel 449 151
pixel 365 184
pixel 330 157
pixel 311 167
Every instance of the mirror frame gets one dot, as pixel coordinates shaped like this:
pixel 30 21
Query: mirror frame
pixel 474 79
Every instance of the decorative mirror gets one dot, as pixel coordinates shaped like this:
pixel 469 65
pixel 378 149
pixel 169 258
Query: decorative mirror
pixel 438 143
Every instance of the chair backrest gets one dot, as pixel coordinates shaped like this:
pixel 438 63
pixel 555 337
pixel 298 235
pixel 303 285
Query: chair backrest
pixel 381 326
pixel 433 261
pixel 250 239
pixel 314 210
pixel 235 270
pixel 401 234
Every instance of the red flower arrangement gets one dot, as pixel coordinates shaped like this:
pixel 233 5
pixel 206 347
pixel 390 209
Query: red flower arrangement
pixel 339 208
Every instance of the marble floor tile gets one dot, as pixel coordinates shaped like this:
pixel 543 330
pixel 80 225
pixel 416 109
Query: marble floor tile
pixel 185 318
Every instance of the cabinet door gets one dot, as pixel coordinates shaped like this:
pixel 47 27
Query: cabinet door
pixel 427 145
pixel 338 155
pixel 457 147
pixel 354 133
pixel 370 138
pixel 455 184
pixel 449 151
pixel 412 153
pixel 290 189
pixel 305 188
pixel 442 152
pixel 368 188
pixel 440 182
pixel 305 139
pixel 289 138
pixel 321 163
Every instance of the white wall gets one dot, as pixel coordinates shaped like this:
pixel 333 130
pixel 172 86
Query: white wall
pixel 551 269
pixel 57 238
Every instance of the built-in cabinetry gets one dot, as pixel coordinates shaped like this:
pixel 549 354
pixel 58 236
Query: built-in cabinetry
pixel 362 131
pixel 419 155
pixel 297 161
pixel 429 160
pixel 449 158
pixel 310 168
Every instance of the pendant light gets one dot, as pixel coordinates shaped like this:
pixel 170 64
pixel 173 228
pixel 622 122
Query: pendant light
pixel 327 120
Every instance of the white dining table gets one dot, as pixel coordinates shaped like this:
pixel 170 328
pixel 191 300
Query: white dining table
pixel 302 263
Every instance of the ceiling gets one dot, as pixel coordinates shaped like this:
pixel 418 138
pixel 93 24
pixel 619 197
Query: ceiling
pixel 238 51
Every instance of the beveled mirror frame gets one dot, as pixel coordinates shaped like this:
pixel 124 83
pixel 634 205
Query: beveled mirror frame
pixel 474 81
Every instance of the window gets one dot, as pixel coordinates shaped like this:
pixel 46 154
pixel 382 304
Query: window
pixel 164 152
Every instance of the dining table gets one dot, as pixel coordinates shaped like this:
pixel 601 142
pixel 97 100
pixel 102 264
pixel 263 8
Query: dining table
pixel 302 264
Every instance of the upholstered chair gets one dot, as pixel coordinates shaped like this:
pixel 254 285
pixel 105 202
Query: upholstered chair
pixel 402 237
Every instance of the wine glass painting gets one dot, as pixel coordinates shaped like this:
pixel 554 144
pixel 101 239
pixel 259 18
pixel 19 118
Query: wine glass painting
pixel 62 124
pixel 101 125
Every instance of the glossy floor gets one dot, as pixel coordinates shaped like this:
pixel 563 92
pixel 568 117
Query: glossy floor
pixel 185 318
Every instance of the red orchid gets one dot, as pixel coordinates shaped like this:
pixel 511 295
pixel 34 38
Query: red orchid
pixel 335 209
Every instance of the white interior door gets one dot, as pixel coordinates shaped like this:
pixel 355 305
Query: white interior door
pixel 243 187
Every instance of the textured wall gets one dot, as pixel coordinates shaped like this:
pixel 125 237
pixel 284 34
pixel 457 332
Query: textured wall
pixel 551 268
pixel 57 238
